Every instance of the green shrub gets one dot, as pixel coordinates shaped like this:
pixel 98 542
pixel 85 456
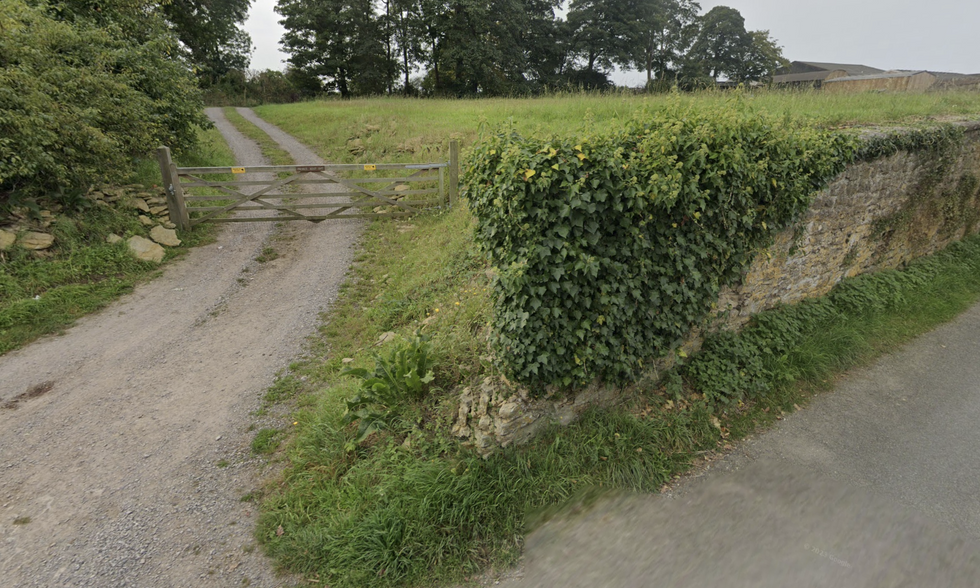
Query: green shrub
pixel 609 248
pixel 80 98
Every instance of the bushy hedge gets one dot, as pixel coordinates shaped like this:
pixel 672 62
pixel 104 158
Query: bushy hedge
pixel 80 97
pixel 610 247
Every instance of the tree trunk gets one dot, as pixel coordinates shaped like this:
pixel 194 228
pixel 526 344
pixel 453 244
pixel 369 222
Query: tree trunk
pixel 342 84
pixel 435 65
pixel 405 61
pixel 389 54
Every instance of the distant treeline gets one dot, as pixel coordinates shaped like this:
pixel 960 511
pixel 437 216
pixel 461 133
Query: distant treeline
pixel 504 47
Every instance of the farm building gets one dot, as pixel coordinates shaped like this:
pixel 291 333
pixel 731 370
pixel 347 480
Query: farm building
pixel 902 81
pixel 850 78
pixel 964 82
pixel 897 81
pixel 813 73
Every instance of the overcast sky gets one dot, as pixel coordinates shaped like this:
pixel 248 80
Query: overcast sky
pixel 938 35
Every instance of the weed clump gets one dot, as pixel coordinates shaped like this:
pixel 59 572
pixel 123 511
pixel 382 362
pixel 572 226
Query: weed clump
pixel 403 375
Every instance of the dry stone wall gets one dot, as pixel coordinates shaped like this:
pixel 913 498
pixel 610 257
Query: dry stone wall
pixel 876 215
pixel 20 229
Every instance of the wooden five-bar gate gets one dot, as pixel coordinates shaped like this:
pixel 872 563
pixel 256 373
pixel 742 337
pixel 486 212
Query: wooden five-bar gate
pixel 415 187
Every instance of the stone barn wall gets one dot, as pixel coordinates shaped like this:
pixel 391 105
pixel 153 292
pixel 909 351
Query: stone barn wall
pixel 918 82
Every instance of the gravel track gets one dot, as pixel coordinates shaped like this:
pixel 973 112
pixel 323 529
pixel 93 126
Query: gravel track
pixel 121 467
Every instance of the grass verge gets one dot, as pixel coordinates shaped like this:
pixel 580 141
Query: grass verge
pixel 41 294
pixel 815 340
pixel 411 507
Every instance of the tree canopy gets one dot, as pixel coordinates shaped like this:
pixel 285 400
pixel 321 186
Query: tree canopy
pixel 211 31
pixel 506 47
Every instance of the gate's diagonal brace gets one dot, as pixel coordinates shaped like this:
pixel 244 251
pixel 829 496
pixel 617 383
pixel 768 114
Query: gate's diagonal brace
pixel 243 198
pixel 281 207
pixel 368 193
pixel 350 184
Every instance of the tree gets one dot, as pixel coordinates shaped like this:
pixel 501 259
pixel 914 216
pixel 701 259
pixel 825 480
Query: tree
pixel 544 44
pixel 406 37
pixel 665 30
pixel 602 32
pixel 762 60
pixel 721 42
pixel 211 32
pixel 339 42
pixel 493 48
pixel 724 48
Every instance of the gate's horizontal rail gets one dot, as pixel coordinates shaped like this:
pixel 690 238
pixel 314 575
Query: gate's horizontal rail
pixel 252 219
pixel 307 168
pixel 303 196
pixel 321 206
pixel 404 180
pixel 312 196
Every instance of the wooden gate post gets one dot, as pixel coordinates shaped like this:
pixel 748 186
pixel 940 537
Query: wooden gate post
pixel 453 172
pixel 171 185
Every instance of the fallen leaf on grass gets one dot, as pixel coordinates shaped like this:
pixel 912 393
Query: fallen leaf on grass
pixel 279 531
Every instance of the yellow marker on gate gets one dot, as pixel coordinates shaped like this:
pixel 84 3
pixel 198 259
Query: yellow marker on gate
pixel 370 167
pixel 238 170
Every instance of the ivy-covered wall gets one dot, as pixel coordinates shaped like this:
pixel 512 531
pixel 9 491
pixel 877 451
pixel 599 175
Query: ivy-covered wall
pixel 905 194
pixel 878 214
pixel 609 246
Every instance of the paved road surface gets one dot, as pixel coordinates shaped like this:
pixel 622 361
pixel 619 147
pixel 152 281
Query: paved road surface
pixel 876 484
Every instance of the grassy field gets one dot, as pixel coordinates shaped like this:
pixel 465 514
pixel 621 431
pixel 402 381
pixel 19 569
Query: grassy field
pixel 398 129
pixel 410 506
pixel 83 273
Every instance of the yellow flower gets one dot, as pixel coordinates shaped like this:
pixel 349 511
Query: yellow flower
pixel 437 310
